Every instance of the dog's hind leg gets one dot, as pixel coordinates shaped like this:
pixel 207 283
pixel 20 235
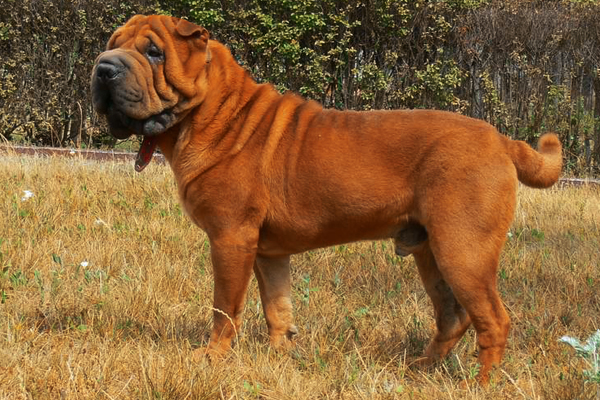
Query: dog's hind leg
pixel 467 217
pixel 451 318
pixel 469 268
pixel 274 283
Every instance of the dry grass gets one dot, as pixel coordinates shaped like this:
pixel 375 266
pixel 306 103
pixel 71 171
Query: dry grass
pixel 125 325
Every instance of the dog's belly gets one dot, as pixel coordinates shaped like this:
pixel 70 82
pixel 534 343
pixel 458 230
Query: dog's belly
pixel 360 200
pixel 306 232
pixel 279 243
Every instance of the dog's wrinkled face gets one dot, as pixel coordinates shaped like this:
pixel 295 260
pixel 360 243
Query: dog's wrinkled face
pixel 151 74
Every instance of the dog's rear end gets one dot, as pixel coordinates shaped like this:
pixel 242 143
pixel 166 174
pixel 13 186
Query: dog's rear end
pixel 465 214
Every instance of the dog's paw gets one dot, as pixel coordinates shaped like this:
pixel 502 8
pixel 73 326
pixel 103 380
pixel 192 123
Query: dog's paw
pixel 425 362
pixel 284 341
pixel 209 353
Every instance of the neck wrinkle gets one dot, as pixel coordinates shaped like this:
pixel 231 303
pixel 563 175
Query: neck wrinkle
pixel 204 138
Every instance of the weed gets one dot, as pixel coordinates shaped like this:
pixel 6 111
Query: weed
pixel 252 389
pixel 17 279
pixel 590 352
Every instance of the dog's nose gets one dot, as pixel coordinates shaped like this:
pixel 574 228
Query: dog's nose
pixel 106 72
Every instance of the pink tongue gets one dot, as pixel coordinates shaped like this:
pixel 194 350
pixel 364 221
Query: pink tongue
pixel 144 155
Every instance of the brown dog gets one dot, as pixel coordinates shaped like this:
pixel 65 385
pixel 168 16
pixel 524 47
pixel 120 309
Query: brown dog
pixel 268 175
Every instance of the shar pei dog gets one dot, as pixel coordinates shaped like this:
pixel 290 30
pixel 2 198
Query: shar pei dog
pixel 267 175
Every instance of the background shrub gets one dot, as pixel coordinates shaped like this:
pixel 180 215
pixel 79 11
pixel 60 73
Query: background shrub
pixel 526 66
pixel 47 49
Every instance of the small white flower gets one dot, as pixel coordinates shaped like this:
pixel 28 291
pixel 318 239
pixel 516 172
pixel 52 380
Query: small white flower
pixel 26 195
pixel 100 222
pixel 84 264
pixel 510 235
pixel 72 152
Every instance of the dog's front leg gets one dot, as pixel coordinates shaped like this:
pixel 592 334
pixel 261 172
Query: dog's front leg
pixel 274 282
pixel 233 257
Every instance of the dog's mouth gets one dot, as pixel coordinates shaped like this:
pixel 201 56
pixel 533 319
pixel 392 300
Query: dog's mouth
pixel 145 153
pixel 123 126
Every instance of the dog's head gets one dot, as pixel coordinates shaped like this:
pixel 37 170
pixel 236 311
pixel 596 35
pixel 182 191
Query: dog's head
pixel 152 73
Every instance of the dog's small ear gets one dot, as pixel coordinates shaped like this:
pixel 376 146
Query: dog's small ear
pixel 193 31
pixel 190 30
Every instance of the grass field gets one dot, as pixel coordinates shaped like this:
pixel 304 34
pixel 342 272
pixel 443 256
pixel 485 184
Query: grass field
pixel 106 289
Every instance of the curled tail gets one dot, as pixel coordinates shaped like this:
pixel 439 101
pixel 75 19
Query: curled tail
pixel 537 169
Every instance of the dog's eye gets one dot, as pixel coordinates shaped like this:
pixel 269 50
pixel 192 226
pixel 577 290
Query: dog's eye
pixel 154 53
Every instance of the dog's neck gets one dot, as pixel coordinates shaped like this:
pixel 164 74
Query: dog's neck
pixel 230 94
pixel 233 112
pixel 230 89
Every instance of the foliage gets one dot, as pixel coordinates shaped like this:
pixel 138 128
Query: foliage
pixel 48 48
pixel 526 66
pixel 344 54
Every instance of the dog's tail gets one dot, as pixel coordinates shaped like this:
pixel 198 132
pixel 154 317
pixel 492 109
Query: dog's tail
pixel 537 169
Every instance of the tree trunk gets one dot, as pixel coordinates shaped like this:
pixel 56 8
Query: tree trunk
pixel 595 156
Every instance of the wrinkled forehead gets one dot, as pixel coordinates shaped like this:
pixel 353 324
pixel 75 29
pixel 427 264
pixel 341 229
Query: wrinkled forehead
pixel 140 30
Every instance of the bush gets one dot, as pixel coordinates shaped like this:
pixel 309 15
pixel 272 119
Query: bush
pixel 526 66
pixel 48 49
pixel 382 54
